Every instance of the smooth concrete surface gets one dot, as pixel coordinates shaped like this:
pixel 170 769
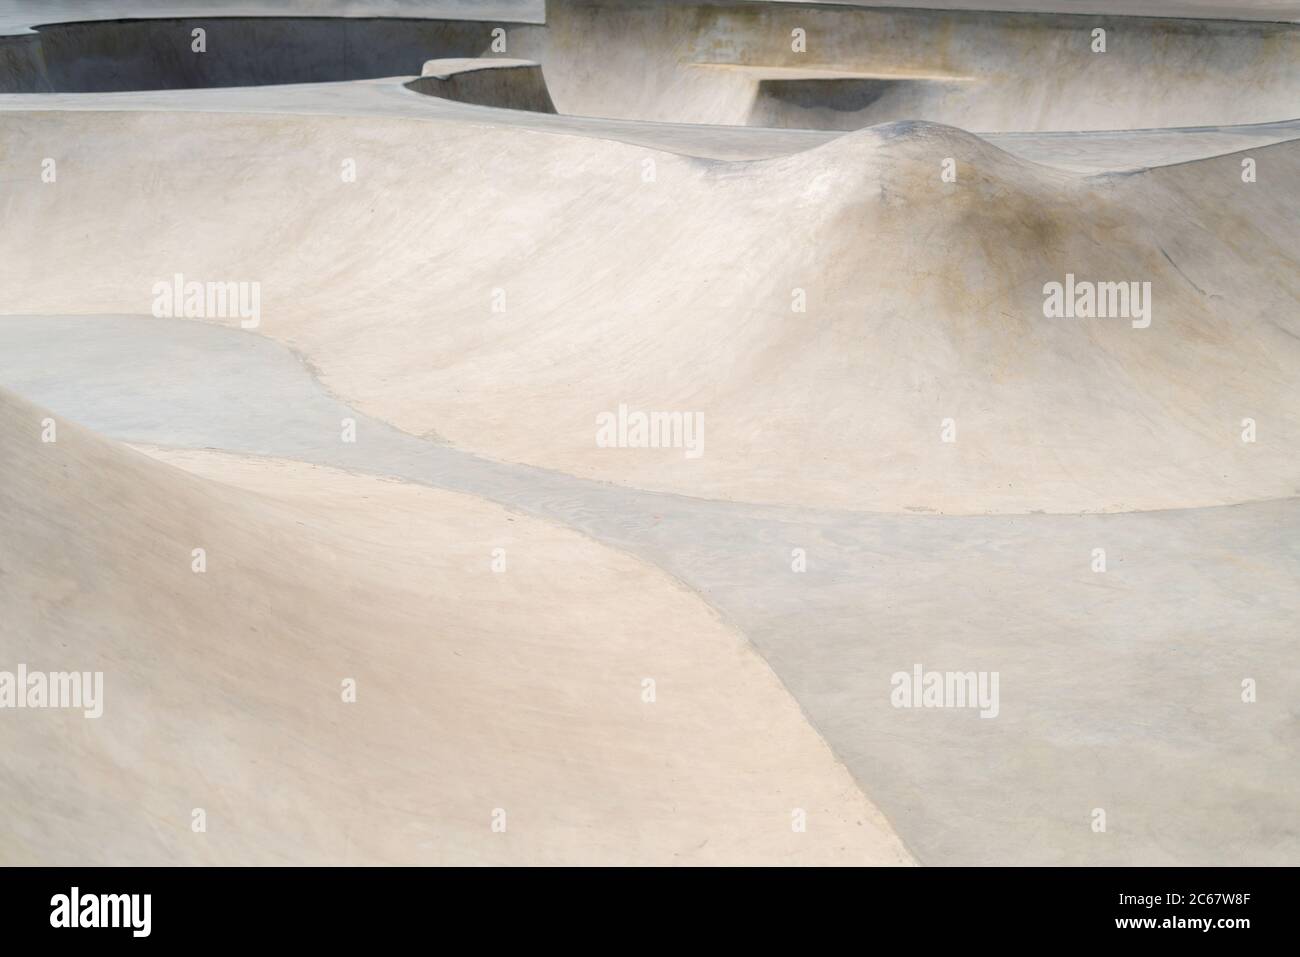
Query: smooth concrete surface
pixel 450 289
pixel 1119 690
pixel 349 681
pixel 1084 152
pixel 636 655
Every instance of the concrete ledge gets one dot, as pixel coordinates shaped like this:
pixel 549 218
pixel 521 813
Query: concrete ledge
pixel 486 81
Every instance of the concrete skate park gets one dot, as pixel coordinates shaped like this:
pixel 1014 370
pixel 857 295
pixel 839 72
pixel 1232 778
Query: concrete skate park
pixel 379 567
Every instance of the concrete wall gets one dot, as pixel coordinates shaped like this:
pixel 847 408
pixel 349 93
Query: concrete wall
pixel 511 85
pixel 157 54
pixel 703 63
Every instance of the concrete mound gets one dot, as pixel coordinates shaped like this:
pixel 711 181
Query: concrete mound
pixel 834 306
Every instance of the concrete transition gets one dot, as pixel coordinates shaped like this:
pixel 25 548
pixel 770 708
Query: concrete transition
pixel 633 432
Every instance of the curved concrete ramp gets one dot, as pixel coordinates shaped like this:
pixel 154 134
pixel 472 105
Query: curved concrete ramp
pixel 696 307
pixel 476 693
pixel 1116 688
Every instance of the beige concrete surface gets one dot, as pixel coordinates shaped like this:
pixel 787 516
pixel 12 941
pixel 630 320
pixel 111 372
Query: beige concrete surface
pixel 924 301
pixel 1082 152
pixel 833 264
pixel 476 690
pixel 1119 687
